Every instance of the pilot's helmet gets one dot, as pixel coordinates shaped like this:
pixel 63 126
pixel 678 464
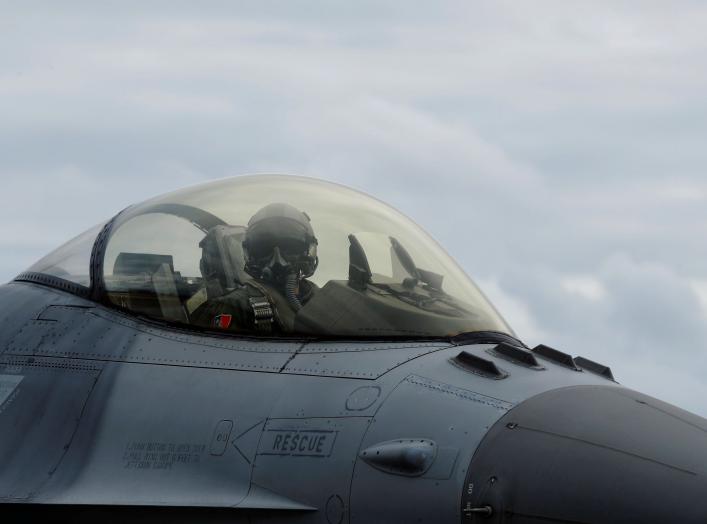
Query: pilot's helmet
pixel 279 243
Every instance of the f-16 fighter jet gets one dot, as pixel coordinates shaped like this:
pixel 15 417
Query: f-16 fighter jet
pixel 280 349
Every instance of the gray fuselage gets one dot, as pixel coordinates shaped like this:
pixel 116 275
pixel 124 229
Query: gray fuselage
pixel 108 416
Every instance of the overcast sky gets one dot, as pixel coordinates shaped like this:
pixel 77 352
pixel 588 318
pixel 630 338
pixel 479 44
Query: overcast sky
pixel 555 148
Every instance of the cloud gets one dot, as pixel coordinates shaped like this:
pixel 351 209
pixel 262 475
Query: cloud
pixel 644 320
pixel 555 150
pixel 584 286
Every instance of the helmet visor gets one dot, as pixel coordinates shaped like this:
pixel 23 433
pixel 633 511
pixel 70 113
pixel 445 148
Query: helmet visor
pixel 262 246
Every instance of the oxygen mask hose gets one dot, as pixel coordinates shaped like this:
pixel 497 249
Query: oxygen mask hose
pixel 291 283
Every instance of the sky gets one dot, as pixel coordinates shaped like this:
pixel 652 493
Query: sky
pixel 555 148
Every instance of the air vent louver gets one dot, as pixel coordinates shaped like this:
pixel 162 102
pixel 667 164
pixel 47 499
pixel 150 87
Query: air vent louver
pixel 594 367
pixel 556 356
pixel 516 355
pixel 478 365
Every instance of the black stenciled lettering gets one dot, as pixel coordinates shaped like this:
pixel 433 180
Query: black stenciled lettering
pixel 303 442
pixel 320 444
pixel 137 446
pixel 295 441
pixel 278 440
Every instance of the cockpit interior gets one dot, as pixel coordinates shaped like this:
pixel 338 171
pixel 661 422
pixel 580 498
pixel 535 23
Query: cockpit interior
pixel 274 256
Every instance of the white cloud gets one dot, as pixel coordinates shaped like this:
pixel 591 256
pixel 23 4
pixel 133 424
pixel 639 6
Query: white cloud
pixel 555 149
pixel 518 315
pixel 700 288
pixel 584 286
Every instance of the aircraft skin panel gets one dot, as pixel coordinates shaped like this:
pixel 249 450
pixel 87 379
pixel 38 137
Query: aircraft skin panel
pixel 628 458
pixel 459 409
pixel 167 436
pixel 368 365
pixel 310 459
pixel 455 421
pixel 41 403
pixel 108 414
pixel 99 334
pixel 320 397
pixel 20 302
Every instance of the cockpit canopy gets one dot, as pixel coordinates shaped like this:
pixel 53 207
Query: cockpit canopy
pixel 360 268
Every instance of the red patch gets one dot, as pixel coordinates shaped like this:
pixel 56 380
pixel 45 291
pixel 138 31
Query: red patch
pixel 223 321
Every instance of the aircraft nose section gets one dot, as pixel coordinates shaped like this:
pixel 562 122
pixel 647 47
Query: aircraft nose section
pixel 590 454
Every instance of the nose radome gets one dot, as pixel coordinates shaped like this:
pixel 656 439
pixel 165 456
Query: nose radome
pixel 590 454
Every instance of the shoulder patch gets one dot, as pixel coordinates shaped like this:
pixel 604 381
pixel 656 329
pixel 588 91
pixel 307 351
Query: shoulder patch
pixel 222 321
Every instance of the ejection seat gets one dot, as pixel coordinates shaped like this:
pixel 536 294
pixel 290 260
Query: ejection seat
pixel 222 260
pixel 150 285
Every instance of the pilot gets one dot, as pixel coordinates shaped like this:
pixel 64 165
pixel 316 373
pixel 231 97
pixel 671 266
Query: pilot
pixel 280 252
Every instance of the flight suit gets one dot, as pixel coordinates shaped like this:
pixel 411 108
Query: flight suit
pixel 256 307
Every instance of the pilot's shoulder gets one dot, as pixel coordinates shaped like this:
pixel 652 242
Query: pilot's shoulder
pixel 309 287
pixel 225 311
pixel 223 303
pixel 236 296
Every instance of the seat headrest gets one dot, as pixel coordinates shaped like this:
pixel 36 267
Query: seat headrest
pixel 132 264
pixel 222 260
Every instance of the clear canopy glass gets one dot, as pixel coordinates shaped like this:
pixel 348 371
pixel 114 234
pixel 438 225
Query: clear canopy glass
pixel 72 260
pixel 331 262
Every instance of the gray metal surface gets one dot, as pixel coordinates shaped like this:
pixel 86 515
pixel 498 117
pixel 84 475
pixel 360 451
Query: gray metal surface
pixel 592 454
pixel 369 363
pixel 104 416
pixel 41 404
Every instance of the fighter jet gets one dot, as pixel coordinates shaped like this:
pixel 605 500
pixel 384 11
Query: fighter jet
pixel 280 349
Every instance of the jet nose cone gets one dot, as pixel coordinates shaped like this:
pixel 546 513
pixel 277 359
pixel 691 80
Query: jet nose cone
pixel 590 454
